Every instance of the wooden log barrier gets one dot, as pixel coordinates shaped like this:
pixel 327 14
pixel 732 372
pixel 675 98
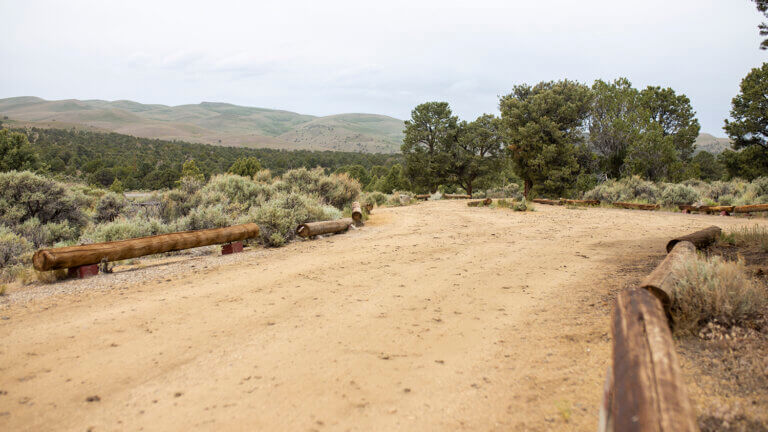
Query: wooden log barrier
pixel 422 197
pixel 701 239
pixel 457 196
pixel 357 212
pixel 751 208
pixel 580 202
pixel 707 209
pixel 636 206
pixel 75 256
pixel 660 282
pixel 648 389
pixel 325 227
pixel 546 201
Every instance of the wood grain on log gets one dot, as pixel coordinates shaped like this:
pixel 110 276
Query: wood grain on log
pixel 325 227
pixel 357 212
pixel 701 239
pixel 751 208
pixel 660 282
pixel 422 196
pixel 649 393
pixel 74 256
pixel 636 206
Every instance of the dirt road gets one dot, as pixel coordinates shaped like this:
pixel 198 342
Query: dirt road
pixel 432 317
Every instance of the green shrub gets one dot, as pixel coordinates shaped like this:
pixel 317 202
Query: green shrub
pixel 632 189
pixel 375 198
pixel 15 252
pixel 204 218
pixel 49 234
pixel 677 194
pixel 109 207
pixel 711 289
pixel 24 195
pixel 279 218
pixel 124 228
pixel 338 190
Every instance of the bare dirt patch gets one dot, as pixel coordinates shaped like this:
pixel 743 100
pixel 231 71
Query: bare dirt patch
pixel 433 317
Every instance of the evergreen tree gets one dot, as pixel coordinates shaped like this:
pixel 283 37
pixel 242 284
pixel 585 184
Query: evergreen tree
pixel 543 125
pixel 430 131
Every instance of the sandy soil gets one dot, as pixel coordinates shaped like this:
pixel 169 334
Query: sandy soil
pixel 432 317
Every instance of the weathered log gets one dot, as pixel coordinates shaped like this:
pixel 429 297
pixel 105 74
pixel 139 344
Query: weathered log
pixel 75 256
pixel 478 203
pixel 457 196
pixel 325 227
pixel 422 196
pixel 357 212
pixel 636 206
pixel 701 239
pixel 660 282
pixel 580 202
pixel 648 389
pixel 751 208
pixel 546 201
pixel 707 209
pixel 716 209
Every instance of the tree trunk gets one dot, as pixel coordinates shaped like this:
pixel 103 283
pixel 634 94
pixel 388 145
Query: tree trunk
pixel 527 189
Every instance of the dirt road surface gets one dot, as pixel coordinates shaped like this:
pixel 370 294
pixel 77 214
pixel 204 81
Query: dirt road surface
pixel 432 317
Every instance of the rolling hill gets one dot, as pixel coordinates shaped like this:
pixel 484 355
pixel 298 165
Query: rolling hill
pixel 712 144
pixel 213 123
pixel 230 125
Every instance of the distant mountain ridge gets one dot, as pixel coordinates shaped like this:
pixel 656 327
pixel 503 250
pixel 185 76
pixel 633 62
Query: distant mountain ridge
pixel 231 125
pixel 213 123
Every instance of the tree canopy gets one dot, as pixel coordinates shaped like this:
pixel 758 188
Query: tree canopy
pixel 430 132
pixel 749 111
pixel 543 124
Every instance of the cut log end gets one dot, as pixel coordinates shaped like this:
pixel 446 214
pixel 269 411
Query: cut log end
pixel 701 239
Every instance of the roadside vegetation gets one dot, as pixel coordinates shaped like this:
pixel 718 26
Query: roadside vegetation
pixel 36 211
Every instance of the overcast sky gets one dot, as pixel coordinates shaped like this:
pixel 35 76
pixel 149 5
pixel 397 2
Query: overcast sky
pixel 328 57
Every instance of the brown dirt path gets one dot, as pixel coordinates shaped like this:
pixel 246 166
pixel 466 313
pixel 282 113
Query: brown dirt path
pixel 433 317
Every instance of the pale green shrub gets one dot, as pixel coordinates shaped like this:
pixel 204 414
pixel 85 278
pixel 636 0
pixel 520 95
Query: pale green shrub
pixel 375 198
pixel 677 194
pixel 632 189
pixel 511 190
pixel 204 218
pixel 711 289
pixel 279 218
pixel 338 190
pixel 124 228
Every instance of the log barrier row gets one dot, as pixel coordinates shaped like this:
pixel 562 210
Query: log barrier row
pixel 83 260
pixel 644 388
pixel 723 210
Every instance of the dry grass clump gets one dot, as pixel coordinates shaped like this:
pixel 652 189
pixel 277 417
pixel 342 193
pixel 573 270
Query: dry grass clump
pixel 754 235
pixel 714 290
